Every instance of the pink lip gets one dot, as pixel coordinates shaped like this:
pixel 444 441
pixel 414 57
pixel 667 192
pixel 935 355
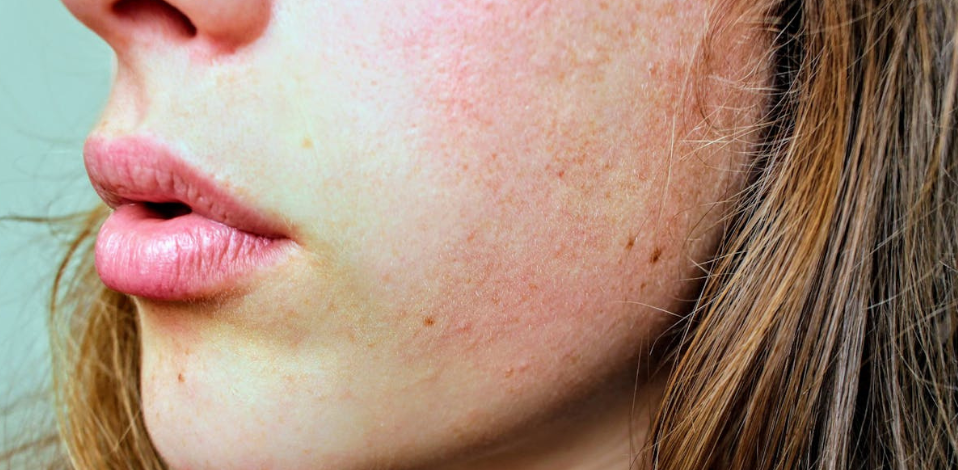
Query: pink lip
pixel 174 234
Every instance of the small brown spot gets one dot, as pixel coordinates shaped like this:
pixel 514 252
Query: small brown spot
pixel 429 321
pixel 307 143
pixel 656 254
pixel 630 244
pixel 180 378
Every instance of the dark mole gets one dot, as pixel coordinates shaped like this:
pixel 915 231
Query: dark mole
pixel 656 254
pixel 180 378
pixel 630 244
pixel 429 321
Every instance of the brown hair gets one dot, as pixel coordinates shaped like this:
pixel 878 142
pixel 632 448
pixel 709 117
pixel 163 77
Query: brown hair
pixel 825 334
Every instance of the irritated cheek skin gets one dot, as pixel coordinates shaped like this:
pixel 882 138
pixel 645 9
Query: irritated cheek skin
pixel 544 142
pixel 483 63
pixel 547 130
pixel 560 104
pixel 544 129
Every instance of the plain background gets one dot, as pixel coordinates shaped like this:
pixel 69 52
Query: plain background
pixel 54 80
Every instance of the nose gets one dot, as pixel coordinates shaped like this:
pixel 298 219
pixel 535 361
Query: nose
pixel 225 25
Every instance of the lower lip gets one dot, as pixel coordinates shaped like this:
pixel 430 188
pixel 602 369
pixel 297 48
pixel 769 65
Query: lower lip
pixel 183 258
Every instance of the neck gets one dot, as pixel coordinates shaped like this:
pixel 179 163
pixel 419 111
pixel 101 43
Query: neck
pixel 607 430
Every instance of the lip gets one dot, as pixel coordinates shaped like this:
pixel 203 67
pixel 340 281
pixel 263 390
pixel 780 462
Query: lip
pixel 175 234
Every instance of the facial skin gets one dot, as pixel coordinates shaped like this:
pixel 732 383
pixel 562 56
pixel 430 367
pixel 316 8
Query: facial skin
pixel 494 205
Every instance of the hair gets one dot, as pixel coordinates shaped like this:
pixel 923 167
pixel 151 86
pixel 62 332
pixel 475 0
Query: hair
pixel 825 332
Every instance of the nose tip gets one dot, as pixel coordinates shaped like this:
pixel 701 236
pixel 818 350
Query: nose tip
pixel 224 24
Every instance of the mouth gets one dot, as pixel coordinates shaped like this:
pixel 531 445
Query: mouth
pixel 167 210
pixel 175 234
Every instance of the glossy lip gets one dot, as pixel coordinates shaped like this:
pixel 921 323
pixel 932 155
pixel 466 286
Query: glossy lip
pixel 205 251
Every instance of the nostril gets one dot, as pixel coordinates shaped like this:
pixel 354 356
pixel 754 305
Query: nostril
pixel 156 13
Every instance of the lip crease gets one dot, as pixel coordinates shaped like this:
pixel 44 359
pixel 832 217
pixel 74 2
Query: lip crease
pixel 175 234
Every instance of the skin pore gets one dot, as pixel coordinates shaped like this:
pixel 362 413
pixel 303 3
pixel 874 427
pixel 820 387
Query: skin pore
pixel 496 207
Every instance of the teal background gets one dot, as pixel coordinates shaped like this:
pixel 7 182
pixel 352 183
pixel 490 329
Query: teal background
pixel 54 80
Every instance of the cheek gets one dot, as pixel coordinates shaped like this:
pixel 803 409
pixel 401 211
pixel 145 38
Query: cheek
pixel 539 214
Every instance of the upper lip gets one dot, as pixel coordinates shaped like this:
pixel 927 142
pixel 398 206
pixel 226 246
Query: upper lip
pixel 140 170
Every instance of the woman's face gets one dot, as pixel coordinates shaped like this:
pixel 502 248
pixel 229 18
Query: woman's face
pixel 490 205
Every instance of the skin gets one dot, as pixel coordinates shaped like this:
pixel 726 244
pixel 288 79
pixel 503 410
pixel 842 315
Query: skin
pixel 497 208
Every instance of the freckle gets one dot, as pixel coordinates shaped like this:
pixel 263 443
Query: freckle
pixel 289 313
pixel 656 254
pixel 630 244
pixel 429 321
pixel 180 378
pixel 644 285
pixel 307 143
